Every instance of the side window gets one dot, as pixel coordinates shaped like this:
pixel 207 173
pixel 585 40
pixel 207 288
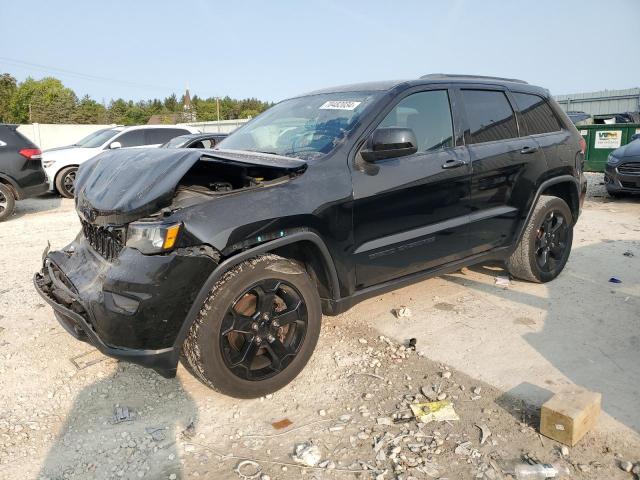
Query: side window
pixel 163 135
pixel 428 114
pixel 133 138
pixel 537 114
pixel 489 115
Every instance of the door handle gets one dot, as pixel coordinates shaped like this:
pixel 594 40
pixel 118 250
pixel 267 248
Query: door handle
pixel 528 149
pixel 453 163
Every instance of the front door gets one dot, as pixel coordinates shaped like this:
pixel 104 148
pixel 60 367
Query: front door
pixel 411 212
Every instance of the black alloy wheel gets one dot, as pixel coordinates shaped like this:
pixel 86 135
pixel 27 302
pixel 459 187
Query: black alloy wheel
pixel 257 328
pixel 551 243
pixel 263 330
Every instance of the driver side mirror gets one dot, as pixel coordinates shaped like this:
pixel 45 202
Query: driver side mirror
pixel 635 136
pixel 389 142
pixel 114 145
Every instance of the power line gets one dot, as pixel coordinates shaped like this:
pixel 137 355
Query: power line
pixel 82 76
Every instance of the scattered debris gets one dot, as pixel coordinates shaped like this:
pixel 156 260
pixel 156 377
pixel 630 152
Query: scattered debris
pixel 615 280
pixel 564 450
pixel 626 466
pixel 157 433
pixel 248 470
pixel 540 471
pixel 123 414
pixel 485 433
pixel 307 454
pixel 87 359
pixel 189 431
pixel 446 374
pixel 402 311
pixel 503 282
pixel 628 253
pixel 412 343
pixel 466 450
pixel 440 411
pixel 280 424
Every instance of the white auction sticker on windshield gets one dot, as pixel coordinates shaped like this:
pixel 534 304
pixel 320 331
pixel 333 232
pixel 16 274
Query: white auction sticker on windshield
pixel 339 105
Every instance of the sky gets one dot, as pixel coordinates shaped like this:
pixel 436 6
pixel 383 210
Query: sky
pixel 140 49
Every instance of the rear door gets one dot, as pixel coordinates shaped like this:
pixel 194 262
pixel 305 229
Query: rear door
pixel 411 212
pixel 539 121
pixel 499 157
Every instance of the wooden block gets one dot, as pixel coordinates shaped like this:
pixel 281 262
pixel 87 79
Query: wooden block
pixel 569 415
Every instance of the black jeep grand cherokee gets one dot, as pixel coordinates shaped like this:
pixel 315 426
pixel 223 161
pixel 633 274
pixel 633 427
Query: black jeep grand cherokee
pixel 229 257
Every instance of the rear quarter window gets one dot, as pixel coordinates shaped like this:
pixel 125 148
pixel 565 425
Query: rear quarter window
pixel 489 115
pixel 163 135
pixel 537 114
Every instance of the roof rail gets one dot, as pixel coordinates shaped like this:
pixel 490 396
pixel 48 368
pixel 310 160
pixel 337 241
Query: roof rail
pixel 443 76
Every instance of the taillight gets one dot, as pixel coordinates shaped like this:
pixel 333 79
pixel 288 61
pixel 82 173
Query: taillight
pixel 31 153
pixel 583 145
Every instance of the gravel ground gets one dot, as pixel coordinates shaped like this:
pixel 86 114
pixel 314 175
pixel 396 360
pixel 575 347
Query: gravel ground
pixel 59 397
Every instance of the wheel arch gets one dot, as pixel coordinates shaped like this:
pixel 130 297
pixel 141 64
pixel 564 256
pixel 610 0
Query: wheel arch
pixel 294 246
pixel 13 186
pixel 565 187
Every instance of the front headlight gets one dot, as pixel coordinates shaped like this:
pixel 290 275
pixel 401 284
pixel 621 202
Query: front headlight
pixel 611 160
pixel 151 237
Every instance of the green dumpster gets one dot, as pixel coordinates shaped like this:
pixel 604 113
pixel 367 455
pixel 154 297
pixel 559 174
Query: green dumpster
pixel 602 140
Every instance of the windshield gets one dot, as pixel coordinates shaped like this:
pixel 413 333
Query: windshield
pixel 176 142
pixel 303 127
pixel 97 138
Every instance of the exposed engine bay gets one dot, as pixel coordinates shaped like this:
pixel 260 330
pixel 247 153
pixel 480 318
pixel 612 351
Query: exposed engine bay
pixel 120 186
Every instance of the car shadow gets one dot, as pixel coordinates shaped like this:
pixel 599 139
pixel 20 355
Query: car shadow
pixel 43 203
pixel 154 415
pixel 593 344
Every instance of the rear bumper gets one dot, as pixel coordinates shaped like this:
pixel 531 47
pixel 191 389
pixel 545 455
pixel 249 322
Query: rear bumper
pixel 131 309
pixel 33 191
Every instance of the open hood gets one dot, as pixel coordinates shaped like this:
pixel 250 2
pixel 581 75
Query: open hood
pixel 119 186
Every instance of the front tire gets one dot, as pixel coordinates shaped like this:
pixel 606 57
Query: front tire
pixel 65 182
pixel 7 202
pixel 545 245
pixel 257 328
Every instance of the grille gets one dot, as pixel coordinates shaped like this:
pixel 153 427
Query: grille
pixel 630 184
pixel 107 241
pixel 632 168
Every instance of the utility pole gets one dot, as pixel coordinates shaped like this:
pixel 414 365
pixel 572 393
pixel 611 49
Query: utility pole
pixel 30 112
pixel 218 110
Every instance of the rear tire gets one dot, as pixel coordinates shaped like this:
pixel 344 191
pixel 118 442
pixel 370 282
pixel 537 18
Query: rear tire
pixel 7 202
pixel 65 182
pixel 545 245
pixel 257 328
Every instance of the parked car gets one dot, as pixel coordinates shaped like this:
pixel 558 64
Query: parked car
pixel 195 140
pixel 61 164
pixel 21 172
pixel 229 257
pixel 622 172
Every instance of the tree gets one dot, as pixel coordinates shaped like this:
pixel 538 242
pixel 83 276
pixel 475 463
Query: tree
pixel 89 111
pixel 43 101
pixel 8 87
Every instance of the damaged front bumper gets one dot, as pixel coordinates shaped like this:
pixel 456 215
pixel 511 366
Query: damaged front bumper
pixel 132 308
